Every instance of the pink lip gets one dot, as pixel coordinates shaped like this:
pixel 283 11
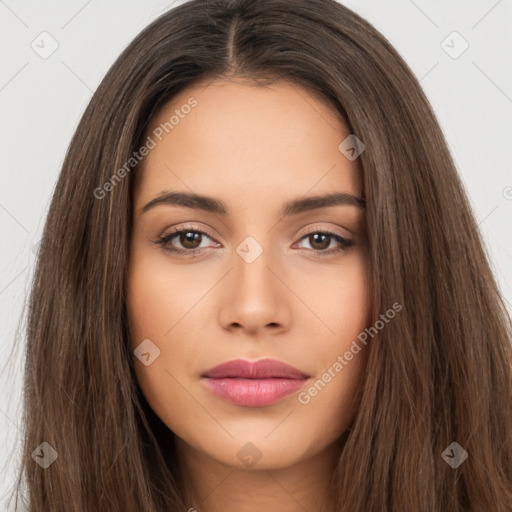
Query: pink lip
pixel 254 384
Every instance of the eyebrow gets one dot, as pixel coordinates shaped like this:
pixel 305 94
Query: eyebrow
pixel 293 207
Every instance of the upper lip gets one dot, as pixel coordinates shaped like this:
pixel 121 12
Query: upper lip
pixel 262 369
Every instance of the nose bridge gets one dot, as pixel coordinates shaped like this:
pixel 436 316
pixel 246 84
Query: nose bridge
pixel 255 296
pixel 252 259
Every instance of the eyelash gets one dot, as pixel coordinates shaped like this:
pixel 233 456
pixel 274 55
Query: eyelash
pixel 164 240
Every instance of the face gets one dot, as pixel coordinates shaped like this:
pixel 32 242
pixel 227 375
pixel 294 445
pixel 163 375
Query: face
pixel 254 273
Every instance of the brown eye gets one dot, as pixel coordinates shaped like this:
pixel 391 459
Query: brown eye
pixel 186 241
pixel 320 241
pixel 190 239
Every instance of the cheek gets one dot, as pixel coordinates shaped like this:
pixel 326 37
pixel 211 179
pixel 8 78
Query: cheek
pixel 333 394
pixel 158 297
pixel 161 303
pixel 340 296
pixel 147 305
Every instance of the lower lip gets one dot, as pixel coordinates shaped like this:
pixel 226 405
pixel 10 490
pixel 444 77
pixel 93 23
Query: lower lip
pixel 253 392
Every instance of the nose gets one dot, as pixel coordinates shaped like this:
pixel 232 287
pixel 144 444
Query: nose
pixel 255 299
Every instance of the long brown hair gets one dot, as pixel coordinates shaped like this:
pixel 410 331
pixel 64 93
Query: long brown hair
pixel 441 371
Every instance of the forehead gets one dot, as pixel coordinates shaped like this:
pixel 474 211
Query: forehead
pixel 245 142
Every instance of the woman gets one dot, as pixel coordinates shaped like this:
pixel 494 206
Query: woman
pixel 335 341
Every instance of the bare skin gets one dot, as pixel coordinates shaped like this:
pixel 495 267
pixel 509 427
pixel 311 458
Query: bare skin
pixel 253 148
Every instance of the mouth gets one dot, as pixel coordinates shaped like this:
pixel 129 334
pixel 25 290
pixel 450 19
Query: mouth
pixel 254 384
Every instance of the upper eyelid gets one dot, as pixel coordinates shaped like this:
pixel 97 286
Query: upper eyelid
pixel 318 227
pixel 176 231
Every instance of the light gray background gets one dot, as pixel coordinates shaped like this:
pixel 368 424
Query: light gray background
pixel 41 101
